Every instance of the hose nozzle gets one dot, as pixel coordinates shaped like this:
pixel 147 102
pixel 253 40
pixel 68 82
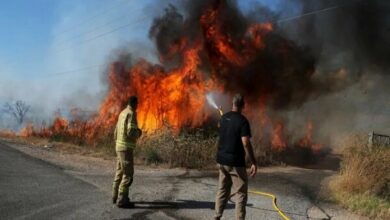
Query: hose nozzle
pixel 220 110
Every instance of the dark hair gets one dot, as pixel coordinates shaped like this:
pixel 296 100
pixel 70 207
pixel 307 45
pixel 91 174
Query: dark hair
pixel 238 100
pixel 133 100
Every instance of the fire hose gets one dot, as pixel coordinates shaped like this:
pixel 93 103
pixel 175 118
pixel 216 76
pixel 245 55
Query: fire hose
pixel 280 212
pixel 273 197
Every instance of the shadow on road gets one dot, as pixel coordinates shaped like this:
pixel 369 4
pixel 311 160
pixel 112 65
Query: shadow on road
pixel 274 211
pixel 179 204
pixel 329 162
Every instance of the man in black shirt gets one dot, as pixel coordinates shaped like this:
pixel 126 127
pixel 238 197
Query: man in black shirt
pixel 234 143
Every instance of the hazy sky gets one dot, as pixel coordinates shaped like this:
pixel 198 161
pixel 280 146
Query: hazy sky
pixel 52 49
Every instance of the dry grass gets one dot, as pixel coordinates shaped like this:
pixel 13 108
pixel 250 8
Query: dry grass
pixel 363 184
pixel 7 133
pixel 191 148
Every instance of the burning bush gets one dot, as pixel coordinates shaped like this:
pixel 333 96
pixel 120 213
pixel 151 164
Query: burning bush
pixel 7 133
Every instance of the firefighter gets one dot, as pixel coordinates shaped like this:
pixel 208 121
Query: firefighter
pixel 126 135
pixel 234 143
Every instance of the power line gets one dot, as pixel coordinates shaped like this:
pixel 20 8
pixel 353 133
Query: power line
pixel 72 71
pixel 95 28
pixel 104 33
pixel 311 13
pixel 145 17
pixel 89 19
pixel 307 14
pixel 54 74
pixel 100 35
pixel 89 31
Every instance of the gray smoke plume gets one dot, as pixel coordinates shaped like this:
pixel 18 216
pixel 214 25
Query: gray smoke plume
pixel 303 59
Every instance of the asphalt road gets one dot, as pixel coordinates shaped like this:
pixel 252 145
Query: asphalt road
pixel 77 187
pixel 33 189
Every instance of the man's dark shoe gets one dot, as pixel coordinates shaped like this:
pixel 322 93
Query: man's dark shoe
pixel 114 195
pixel 125 205
pixel 124 202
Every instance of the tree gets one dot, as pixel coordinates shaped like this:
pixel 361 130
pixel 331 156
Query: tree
pixel 18 110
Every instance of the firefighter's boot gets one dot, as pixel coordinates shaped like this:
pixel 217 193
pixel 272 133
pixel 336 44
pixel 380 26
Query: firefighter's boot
pixel 124 202
pixel 114 197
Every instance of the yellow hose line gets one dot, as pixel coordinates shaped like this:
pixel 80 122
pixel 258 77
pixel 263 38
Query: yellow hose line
pixel 273 202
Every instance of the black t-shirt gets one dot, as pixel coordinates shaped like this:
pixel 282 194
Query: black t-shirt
pixel 233 126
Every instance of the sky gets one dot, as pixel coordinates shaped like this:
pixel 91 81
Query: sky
pixel 52 49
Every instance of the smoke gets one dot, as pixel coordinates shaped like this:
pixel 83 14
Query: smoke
pixel 351 44
pixel 330 66
pixel 356 33
pixel 282 70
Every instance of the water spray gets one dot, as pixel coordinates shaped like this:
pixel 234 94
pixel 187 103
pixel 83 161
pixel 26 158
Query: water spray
pixel 211 101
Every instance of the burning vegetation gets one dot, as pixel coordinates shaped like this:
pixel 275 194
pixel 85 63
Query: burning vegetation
pixel 210 47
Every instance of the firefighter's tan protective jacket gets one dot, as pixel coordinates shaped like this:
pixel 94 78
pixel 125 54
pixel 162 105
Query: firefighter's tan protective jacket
pixel 126 130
